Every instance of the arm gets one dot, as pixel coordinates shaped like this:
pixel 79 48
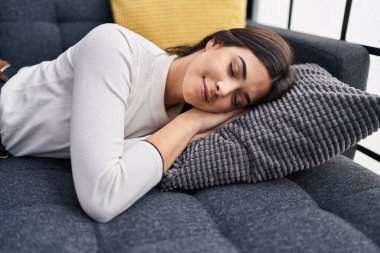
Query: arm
pixel 107 178
pixel 172 139
pixel 128 143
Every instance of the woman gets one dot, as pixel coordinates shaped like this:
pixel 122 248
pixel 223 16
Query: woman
pixel 114 103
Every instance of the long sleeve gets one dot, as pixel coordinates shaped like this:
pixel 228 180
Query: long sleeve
pixel 108 178
pixel 129 143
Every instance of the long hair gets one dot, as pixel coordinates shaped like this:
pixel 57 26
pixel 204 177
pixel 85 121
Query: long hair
pixel 268 46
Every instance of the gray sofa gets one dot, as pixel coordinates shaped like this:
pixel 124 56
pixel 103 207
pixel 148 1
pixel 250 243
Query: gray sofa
pixel 333 207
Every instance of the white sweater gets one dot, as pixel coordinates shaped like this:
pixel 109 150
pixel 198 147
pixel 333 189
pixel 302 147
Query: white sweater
pixel 94 104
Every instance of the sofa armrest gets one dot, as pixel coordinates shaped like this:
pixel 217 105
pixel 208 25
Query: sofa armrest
pixel 346 61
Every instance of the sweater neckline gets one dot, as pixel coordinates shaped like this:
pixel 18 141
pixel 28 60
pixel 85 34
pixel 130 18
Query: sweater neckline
pixel 161 115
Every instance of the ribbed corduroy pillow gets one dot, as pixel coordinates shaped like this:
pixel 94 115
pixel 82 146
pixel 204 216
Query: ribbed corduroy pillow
pixel 169 22
pixel 317 119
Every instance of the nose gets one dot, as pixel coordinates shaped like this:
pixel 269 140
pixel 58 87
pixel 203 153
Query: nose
pixel 223 88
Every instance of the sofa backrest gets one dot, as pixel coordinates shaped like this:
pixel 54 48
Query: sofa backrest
pixel 32 31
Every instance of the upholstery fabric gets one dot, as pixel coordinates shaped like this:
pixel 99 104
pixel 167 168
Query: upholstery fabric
pixel 333 207
pixel 32 31
pixel 170 23
pixel 317 119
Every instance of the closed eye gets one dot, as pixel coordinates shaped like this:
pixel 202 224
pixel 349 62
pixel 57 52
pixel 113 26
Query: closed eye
pixel 235 101
pixel 235 95
pixel 232 71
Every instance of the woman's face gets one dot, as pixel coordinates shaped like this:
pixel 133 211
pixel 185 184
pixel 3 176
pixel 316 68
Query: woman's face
pixel 231 77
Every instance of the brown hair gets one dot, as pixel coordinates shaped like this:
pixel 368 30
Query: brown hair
pixel 268 46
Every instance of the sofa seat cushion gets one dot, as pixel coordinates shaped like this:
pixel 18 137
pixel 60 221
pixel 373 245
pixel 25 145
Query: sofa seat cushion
pixel 38 201
pixel 310 211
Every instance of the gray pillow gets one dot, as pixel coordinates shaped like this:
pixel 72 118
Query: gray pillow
pixel 317 119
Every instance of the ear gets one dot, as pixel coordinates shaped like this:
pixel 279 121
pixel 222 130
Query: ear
pixel 213 43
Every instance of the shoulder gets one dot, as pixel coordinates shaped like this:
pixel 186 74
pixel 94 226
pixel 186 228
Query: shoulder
pixel 118 33
pixel 110 33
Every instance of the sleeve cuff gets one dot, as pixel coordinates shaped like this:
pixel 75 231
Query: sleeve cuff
pixel 155 149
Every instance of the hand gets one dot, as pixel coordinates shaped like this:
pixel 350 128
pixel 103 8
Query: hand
pixel 203 121
pixel 204 134
pixel 213 130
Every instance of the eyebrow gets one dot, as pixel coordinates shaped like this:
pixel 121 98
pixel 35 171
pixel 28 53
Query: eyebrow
pixel 245 78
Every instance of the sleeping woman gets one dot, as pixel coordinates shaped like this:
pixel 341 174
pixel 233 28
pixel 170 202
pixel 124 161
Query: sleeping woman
pixel 123 109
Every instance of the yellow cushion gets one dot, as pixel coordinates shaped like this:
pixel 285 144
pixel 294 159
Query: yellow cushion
pixel 172 22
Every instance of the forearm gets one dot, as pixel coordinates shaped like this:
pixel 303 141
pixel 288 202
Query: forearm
pixel 172 139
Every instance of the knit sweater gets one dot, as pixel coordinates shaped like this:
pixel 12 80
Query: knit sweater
pixel 94 103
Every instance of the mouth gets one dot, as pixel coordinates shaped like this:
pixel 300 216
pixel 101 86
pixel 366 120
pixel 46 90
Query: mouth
pixel 204 90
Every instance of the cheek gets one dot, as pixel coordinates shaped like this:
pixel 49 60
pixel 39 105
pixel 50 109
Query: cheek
pixel 225 105
pixel 190 87
pixel 187 96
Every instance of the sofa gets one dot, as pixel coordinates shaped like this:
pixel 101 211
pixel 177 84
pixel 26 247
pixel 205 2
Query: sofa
pixel 333 207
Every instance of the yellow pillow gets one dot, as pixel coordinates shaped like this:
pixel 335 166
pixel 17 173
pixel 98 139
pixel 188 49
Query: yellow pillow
pixel 172 22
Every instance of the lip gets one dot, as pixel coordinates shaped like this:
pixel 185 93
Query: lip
pixel 204 90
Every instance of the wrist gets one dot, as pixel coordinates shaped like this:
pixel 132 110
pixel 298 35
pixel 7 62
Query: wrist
pixel 188 122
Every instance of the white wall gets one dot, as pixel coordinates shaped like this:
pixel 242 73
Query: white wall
pixel 364 23
pixel 322 17
pixel 273 12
